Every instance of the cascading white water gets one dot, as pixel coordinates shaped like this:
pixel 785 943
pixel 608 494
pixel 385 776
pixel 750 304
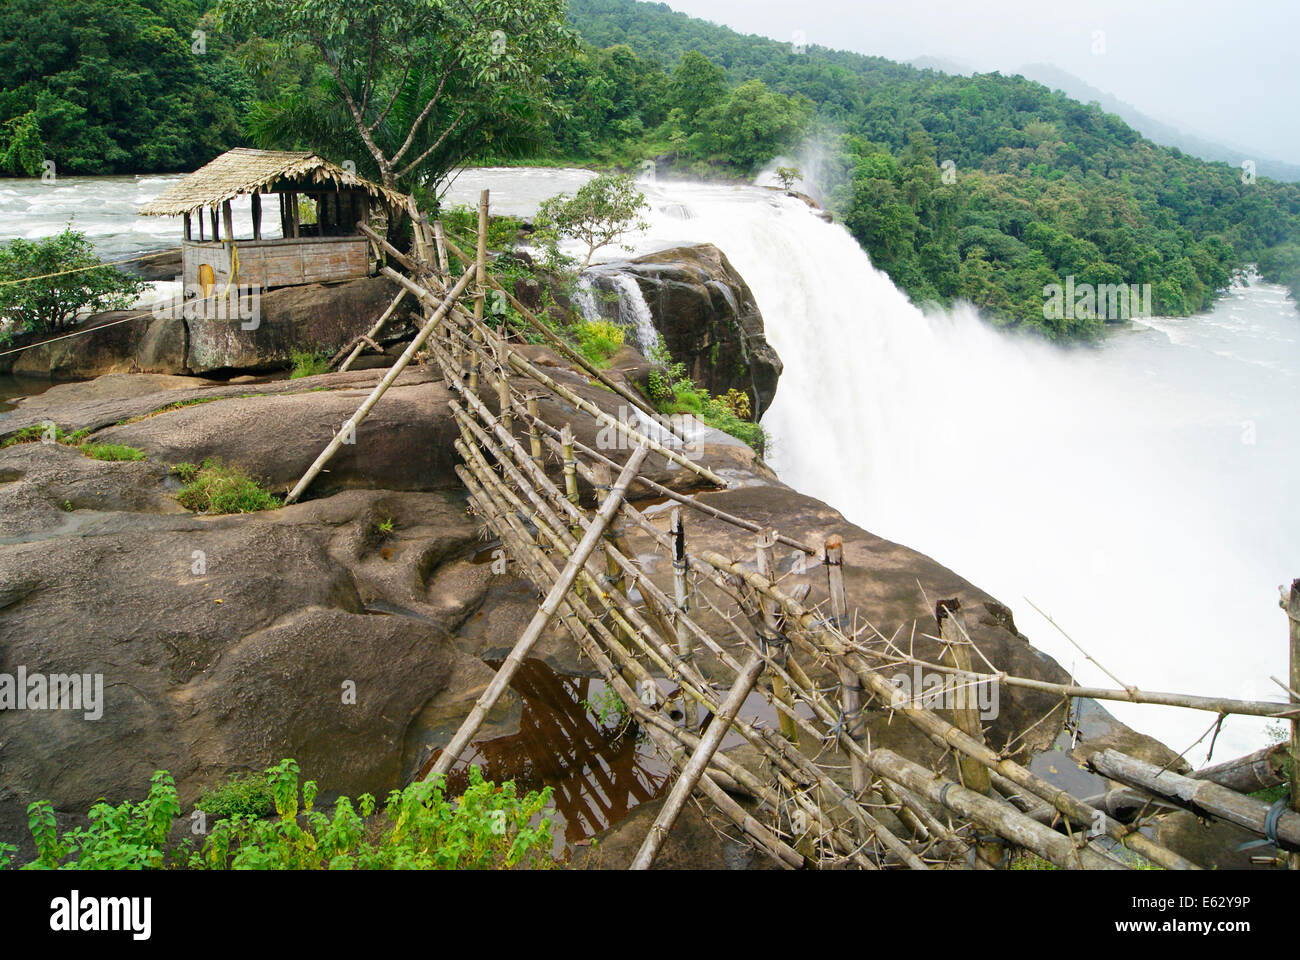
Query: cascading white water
pixel 1137 492
pixel 634 312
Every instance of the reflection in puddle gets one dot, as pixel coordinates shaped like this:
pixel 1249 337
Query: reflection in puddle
pixel 598 775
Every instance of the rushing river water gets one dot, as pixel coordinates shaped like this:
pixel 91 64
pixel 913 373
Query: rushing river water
pixel 1136 492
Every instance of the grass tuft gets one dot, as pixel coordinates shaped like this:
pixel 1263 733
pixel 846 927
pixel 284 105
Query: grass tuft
pixel 215 487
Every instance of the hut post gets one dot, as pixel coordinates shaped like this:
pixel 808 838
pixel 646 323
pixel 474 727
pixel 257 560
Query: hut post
pixel 681 597
pixel 292 201
pixel 255 202
pixel 850 685
pixel 765 554
pixel 228 220
pixel 216 232
pixel 534 435
pixel 189 227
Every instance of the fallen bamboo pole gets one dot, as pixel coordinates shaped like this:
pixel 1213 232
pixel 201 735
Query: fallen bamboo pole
pixel 374 330
pixel 773 636
pixel 1257 771
pixel 480 289
pixel 349 428
pixel 1202 797
pixel 698 763
pixel 681 597
pixel 540 620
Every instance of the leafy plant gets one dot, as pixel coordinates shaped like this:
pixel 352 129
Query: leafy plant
pixel 215 487
pixel 247 796
pixel 608 706
pixel 72 279
pixel 308 363
pixel 599 340
pixel 601 212
pixel 788 176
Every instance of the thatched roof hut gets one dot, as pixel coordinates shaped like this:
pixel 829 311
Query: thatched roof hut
pixel 246 171
pixel 320 205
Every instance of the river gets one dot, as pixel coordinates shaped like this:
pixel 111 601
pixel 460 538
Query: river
pixel 1136 492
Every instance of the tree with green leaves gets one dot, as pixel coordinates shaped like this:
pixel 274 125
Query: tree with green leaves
pixel 601 212
pixel 45 283
pixel 788 176
pixel 409 89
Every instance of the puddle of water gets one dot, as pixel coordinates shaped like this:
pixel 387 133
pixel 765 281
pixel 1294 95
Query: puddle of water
pixel 598 776
pixel 16 388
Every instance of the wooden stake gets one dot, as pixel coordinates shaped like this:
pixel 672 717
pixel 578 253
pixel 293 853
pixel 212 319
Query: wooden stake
pixel 534 437
pixel 850 685
pixel 441 247
pixel 765 554
pixel 543 616
pixel 698 763
pixel 480 292
pixel 681 597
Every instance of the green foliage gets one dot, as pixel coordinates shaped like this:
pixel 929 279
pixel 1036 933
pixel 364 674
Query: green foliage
pixel 609 709
pixel 78 283
pixel 675 394
pixel 788 176
pixel 130 836
pixel 602 211
pixel 984 188
pixel 111 451
pixel 115 86
pixel 240 797
pixel 408 89
pixel 488 827
pixel 215 487
pixel 599 340
pixel 308 363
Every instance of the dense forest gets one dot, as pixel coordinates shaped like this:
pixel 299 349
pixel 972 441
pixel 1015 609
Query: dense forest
pixel 986 188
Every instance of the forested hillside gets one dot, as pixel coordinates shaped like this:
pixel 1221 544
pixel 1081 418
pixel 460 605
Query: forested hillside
pixel 986 188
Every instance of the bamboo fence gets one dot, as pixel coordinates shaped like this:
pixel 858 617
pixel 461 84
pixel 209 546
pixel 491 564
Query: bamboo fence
pixel 819 794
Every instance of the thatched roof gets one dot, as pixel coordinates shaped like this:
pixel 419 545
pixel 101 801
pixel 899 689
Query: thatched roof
pixel 242 170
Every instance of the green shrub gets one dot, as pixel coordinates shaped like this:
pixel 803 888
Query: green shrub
pixel 599 340
pixel 308 363
pixel 487 827
pixel 74 281
pixel 111 451
pixel 244 797
pixel 215 487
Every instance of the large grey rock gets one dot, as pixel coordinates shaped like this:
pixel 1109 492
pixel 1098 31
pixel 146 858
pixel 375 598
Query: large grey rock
pixel 707 317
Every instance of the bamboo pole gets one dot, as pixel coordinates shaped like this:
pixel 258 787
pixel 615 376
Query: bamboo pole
pixel 681 597
pixel 542 618
pixel 633 436
pixel 763 553
pixel 380 389
pixel 850 685
pixel 480 290
pixel 567 351
pixel 941 730
pixel 698 763
pixel 1256 771
pixel 441 246
pixel 1202 797
pixel 534 438
pixel 374 330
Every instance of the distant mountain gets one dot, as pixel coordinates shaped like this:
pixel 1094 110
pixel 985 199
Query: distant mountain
pixel 1152 129
pixel 944 65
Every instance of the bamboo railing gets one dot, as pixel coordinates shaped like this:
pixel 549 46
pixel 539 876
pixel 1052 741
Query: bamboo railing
pixel 689 659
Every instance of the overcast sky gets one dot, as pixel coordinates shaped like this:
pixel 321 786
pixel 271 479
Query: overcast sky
pixel 1228 71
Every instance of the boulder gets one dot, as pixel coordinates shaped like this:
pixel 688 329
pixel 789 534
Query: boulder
pixel 311 317
pixel 707 316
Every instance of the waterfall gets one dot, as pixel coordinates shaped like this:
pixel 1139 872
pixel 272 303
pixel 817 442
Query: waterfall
pixel 1112 487
pixel 585 298
pixel 634 312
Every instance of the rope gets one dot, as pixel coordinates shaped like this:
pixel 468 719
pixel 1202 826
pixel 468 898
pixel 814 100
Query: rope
pixel 61 273
pixel 1270 826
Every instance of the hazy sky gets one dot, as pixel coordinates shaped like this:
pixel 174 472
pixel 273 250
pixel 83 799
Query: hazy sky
pixel 1228 71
